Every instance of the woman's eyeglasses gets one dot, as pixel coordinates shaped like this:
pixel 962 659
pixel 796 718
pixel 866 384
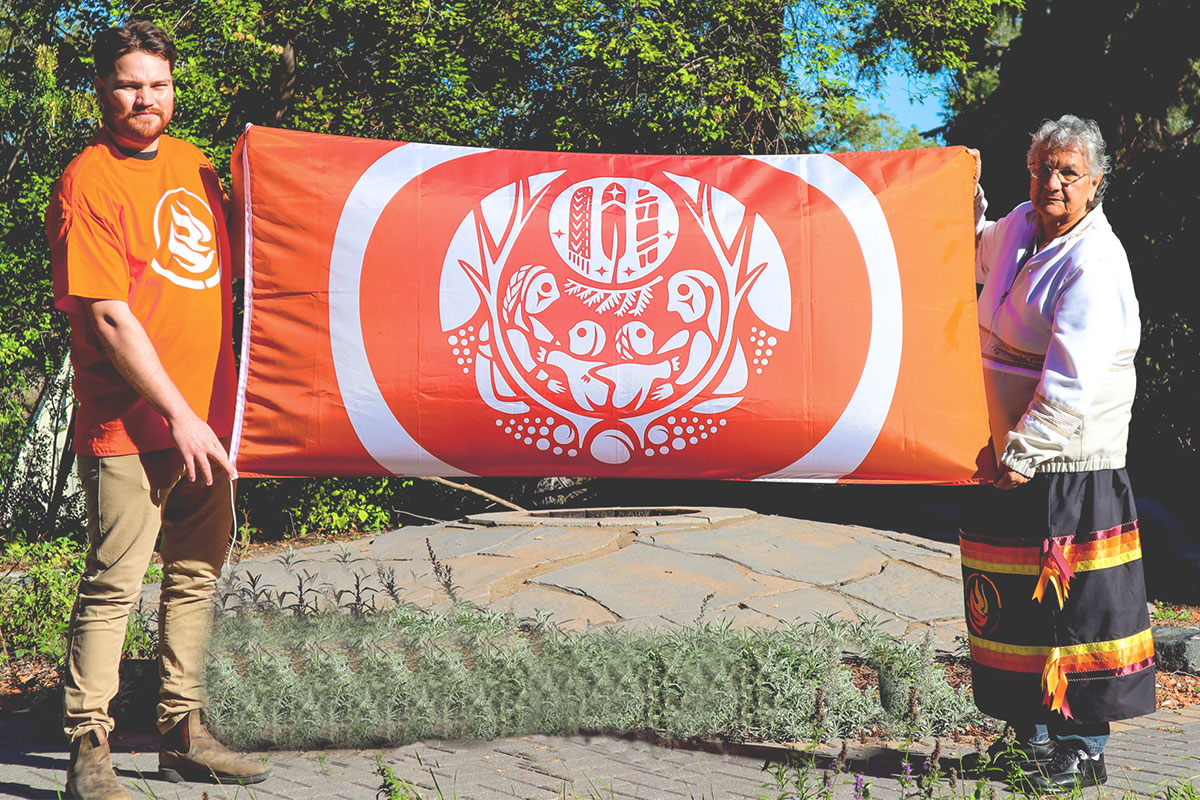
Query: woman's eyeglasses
pixel 1044 172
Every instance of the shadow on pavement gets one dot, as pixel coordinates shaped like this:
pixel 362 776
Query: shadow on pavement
pixel 8 789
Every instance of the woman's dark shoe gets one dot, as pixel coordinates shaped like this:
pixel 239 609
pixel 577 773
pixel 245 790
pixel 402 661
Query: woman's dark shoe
pixel 1070 768
pixel 1004 754
pixel 1007 757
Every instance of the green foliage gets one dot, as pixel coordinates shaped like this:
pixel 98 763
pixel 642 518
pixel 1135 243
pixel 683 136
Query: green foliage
pixel 804 778
pixel 294 508
pixel 394 788
pixel 36 606
pixel 1162 612
pixel 141 634
pixel 37 592
pixel 656 76
pixel 863 130
pixel 403 674
pixel 154 574
pixel 1168 382
pixel 911 688
pixel 936 37
pixel 682 77
pixel 1178 788
pixel 45 117
pixel 39 499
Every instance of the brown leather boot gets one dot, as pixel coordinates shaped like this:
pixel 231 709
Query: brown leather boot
pixel 190 753
pixel 90 775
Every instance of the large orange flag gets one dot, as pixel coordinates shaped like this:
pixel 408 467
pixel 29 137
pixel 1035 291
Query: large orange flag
pixel 426 310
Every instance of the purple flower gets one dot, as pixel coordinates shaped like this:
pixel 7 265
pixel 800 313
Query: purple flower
pixel 906 780
pixel 859 784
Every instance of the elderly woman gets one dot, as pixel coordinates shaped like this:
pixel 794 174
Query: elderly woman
pixel 1055 597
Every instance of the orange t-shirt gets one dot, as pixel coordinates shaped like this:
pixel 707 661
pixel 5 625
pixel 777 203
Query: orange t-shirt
pixel 151 233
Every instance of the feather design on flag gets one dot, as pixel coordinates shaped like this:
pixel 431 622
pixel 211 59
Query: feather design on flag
pixel 513 293
pixel 580 236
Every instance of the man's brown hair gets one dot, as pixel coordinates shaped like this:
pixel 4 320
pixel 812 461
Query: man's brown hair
pixel 137 35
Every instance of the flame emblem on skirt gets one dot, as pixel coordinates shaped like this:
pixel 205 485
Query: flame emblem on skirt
pixel 983 604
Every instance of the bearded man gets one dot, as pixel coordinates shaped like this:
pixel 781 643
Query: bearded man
pixel 141 266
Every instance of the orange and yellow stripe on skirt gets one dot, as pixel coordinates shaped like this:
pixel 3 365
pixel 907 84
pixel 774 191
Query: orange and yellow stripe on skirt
pixel 1092 551
pixel 1055 560
pixel 1057 664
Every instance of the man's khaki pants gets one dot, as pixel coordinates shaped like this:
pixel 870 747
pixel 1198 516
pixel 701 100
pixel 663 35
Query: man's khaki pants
pixel 129 500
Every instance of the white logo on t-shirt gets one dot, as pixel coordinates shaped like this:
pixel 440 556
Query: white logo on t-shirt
pixel 186 242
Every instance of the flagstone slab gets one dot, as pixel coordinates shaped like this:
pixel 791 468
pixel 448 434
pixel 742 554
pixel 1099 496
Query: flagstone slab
pixel 307 575
pixel 906 552
pixel 569 612
pixel 408 544
pixel 738 618
pixel 619 517
pixel 760 570
pixel 803 605
pixel 770 585
pixel 910 593
pixel 784 547
pixel 938 557
pixel 903 541
pixel 543 545
pixel 333 550
pixel 474 574
pixel 641 580
pixel 948 567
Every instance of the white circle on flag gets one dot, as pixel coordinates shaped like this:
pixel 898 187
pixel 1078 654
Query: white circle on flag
pixel 838 453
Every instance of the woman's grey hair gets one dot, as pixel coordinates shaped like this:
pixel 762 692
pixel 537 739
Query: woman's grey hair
pixel 1070 132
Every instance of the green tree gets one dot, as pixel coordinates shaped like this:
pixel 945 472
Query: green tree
pixel 670 76
pixel 46 114
pixel 660 76
pixel 1132 66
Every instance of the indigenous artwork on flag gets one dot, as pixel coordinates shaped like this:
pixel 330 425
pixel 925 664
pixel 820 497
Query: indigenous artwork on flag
pixel 427 310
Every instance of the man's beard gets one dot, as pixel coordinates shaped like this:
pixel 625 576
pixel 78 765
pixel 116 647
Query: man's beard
pixel 141 127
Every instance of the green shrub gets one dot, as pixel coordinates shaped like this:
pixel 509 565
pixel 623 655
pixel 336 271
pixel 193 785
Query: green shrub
pixel 37 596
pixel 403 674
pixel 911 689
pixel 329 505
pixel 36 605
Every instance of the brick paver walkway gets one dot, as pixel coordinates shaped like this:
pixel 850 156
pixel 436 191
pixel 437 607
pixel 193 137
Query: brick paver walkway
pixel 1145 757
